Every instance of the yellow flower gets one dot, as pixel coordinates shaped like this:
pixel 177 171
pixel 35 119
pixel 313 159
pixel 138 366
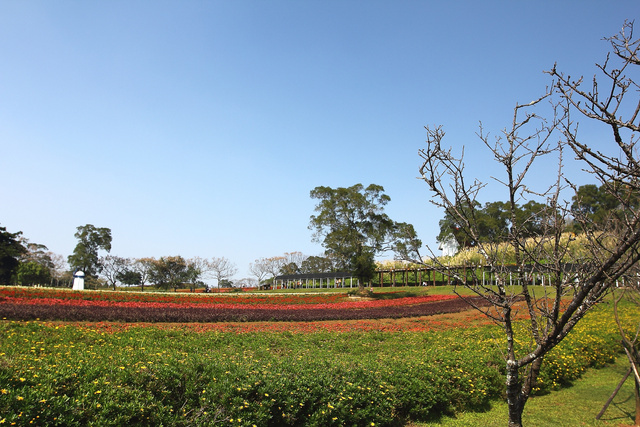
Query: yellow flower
pixel 20 398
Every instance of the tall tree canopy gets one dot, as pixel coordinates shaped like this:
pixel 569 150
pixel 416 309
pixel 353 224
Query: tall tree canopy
pixel 10 251
pixel 171 272
pixel 353 228
pixel 316 264
pixel 85 255
pixel 603 206
pixel 492 222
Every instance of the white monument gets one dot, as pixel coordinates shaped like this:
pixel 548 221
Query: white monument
pixel 78 281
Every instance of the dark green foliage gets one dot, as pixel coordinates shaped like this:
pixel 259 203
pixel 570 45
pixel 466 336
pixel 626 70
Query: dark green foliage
pixel 601 207
pixel 353 228
pixel 32 273
pixel 492 222
pixel 85 255
pixel 316 264
pixel 130 277
pixel 10 251
pixel 291 268
pixel 171 272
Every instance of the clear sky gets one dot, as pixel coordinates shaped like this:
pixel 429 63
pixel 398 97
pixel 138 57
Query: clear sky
pixel 198 128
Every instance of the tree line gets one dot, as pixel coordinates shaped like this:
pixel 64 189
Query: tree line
pixel 593 207
pixel 25 263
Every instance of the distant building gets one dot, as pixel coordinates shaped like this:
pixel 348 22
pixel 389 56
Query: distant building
pixel 449 246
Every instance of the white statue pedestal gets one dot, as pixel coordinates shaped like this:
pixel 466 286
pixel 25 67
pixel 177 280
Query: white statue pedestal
pixel 78 281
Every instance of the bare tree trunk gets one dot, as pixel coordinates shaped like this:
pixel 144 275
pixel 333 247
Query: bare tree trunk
pixel 514 396
pixel 637 402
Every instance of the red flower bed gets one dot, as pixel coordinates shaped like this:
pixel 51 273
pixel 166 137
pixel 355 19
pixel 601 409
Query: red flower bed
pixel 178 298
pixel 20 304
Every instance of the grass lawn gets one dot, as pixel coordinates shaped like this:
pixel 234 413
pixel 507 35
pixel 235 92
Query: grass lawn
pixel 577 405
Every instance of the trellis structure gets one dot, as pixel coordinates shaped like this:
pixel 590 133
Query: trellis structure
pixel 421 276
pixel 337 279
pixel 463 274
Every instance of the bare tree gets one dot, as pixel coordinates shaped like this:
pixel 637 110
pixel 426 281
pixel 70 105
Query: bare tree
pixel 200 268
pixel 144 267
pixel 222 269
pixel 583 278
pixel 274 265
pixel 295 257
pixel 630 334
pixel 112 267
pixel 259 269
pixel 247 282
pixel 58 267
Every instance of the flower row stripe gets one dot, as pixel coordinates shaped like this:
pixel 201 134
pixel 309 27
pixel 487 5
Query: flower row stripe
pixel 215 304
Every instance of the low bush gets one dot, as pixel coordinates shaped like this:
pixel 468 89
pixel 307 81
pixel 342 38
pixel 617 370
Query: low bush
pixel 80 374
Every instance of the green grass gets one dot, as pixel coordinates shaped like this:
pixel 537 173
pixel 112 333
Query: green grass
pixel 577 405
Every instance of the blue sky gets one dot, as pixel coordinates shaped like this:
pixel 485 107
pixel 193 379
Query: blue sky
pixel 198 128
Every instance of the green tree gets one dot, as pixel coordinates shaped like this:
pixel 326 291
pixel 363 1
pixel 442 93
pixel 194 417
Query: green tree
pixel 85 255
pixel 226 283
pixel 489 223
pixel 457 226
pixel 593 202
pixel 534 218
pixel 290 268
pixel 11 249
pixel 32 273
pixel 50 265
pixel 601 207
pixel 37 253
pixel 353 228
pixel 316 264
pixel 492 222
pixel 130 277
pixel 170 272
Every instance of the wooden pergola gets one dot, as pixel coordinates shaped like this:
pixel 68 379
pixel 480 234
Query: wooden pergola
pixel 422 276
pixel 311 280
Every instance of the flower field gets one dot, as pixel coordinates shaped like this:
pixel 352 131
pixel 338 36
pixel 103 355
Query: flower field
pixel 323 373
pixel 46 304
